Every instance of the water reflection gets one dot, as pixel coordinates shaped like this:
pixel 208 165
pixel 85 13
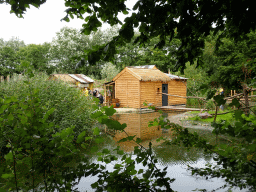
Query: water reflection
pixel 137 124
pixel 175 157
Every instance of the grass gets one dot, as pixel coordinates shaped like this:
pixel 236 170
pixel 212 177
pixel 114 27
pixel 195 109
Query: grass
pixel 211 111
pixel 227 116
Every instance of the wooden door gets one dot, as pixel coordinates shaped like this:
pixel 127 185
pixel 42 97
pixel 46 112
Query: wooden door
pixel 164 97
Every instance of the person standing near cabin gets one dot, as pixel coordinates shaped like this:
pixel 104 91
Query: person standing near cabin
pixel 94 93
pixel 101 98
pixel 221 91
pixel 86 92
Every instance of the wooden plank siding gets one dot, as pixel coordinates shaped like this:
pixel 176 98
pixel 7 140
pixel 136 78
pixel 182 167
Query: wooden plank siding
pixel 148 92
pixel 127 90
pixel 136 85
pixel 177 87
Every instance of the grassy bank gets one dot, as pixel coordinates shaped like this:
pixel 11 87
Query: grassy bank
pixel 221 115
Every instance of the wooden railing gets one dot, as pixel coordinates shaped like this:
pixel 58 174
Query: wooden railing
pixel 8 78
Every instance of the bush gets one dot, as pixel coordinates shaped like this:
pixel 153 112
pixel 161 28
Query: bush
pixel 191 102
pixel 71 108
pixel 43 128
pixel 210 105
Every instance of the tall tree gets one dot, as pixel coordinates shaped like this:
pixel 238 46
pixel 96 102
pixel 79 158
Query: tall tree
pixel 193 21
pixel 67 48
pixel 37 56
pixel 8 55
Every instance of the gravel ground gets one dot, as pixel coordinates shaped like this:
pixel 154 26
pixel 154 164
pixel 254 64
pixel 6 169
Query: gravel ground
pixel 181 119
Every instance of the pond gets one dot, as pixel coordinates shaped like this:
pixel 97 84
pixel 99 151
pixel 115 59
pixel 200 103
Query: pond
pixel 176 158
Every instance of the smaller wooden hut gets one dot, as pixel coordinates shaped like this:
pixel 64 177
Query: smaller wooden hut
pixel 75 80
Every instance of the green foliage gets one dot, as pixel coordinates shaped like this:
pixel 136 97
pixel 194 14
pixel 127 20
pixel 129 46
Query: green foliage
pixel 37 56
pixel 219 118
pixel 109 71
pixel 231 63
pixel 134 55
pixel 33 148
pixel 71 107
pixel 210 105
pixel 14 52
pixel 234 65
pixel 68 49
pixel 8 56
pixel 193 102
pixel 236 157
pixel 197 77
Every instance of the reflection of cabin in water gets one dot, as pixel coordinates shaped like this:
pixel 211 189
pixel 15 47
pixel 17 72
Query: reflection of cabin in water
pixel 75 80
pixel 136 84
pixel 137 124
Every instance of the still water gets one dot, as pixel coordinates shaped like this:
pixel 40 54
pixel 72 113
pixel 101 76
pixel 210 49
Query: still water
pixel 174 157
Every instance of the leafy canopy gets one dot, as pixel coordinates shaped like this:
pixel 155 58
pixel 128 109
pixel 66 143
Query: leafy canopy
pixel 193 21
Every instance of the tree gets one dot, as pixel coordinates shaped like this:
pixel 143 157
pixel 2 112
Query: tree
pixel 7 61
pixel 8 55
pixel 159 18
pixel 37 56
pixel 193 21
pixel 69 46
pixel 109 71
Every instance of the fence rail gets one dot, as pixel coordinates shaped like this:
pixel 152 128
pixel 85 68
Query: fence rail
pixel 8 78
pixel 226 98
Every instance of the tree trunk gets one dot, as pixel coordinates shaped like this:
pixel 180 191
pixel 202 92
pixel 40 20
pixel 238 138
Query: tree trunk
pixel 246 99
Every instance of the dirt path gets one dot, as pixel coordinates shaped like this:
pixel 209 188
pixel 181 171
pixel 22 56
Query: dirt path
pixel 181 119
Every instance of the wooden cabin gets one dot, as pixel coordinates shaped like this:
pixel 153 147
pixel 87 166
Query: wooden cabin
pixel 138 84
pixel 75 80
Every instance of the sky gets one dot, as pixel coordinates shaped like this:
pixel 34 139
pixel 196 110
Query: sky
pixel 39 25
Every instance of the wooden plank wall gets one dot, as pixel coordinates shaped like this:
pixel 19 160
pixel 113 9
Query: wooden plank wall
pixel 127 90
pixel 149 93
pixel 177 87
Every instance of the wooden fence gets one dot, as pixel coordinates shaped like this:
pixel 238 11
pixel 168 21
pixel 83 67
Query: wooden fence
pixel 8 77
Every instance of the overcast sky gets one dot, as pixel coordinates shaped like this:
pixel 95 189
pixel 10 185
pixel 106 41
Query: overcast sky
pixel 39 25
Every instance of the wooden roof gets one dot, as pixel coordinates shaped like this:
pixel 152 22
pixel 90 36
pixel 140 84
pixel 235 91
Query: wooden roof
pixel 143 74
pixel 74 77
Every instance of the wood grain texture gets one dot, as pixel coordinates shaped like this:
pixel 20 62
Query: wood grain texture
pixel 177 87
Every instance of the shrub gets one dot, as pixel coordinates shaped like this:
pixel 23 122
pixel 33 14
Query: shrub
pixel 194 102
pixel 71 107
pixel 210 105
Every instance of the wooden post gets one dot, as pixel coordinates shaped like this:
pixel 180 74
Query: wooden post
pixel 231 93
pixel 105 95
pixel 246 100
pixel 1 78
pixel 8 78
